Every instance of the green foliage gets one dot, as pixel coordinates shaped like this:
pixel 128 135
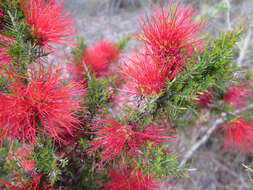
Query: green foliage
pixel 4 167
pixel 9 162
pixel 213 70
pixel 3 83
pixel 78 52
pixel 48 161
pixel 123 43
pixel 249 169
pixel 81 174
pixel 25 47
pixel 160 162
pixel 98 94
pixel 81 170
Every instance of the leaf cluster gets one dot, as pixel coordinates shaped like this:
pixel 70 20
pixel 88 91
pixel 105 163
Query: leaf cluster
pixel 98 94
pixel 48 162
pixel 160 162
pixel 213 69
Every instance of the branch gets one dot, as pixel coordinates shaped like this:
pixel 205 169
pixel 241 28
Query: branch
pixel 228 15
pixel 244 48
pixel 248 168
pixel 211 129
pixel 12 19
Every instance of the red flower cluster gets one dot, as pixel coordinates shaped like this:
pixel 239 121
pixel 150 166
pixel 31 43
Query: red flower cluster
pixel 34 184
pixel 5 58
pixel 1 13
pixel 171 35
pixel 146 76
pixel 237 94
pixel 23 154
pixel 205 99
pixel 1 18
pixel 125 98
pixel 239 135
pixel 76 72
pixel 42 105
pixel 48 22
pixel 100 56
pixel 115 139
pixel 130 179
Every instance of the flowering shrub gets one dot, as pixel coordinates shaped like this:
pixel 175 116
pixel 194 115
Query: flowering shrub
pixel 237 95
pixel 170 36
pixel 41 101
pixel 34 184
pixel 130 179
pixel 120 140
pixel 146 77
pixel 5 58
pixel 48 22
pixel 238 134
pixel 100 56
pixel 100 122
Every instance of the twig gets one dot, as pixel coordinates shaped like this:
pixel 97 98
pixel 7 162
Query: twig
pixel 228 15
pixel 224 167
pixel 192 169
pixel 12 19
pixel 244 48
pixel 211 129
pixel 201 141
pixel 249 175
pixel 243 182
pixel 248 168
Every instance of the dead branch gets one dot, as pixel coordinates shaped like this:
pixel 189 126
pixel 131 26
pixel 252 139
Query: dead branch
pixel 209 132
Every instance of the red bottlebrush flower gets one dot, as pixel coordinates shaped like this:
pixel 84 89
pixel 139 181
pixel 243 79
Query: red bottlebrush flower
pixel 76 72
pixel 100 56
pixel 156 134
pixel 147 77
pixel 237 94
pixel 22 155
pixel 1 13
pixel 48 22
pixel 28 165
pixel 205 99
pixel 125 98
pixel 130 180
pixel 34 184
pixel 171 35
pixel 238 135
pixel 44 105
pixel 5 58
pixel 114 139
pixel 1 18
